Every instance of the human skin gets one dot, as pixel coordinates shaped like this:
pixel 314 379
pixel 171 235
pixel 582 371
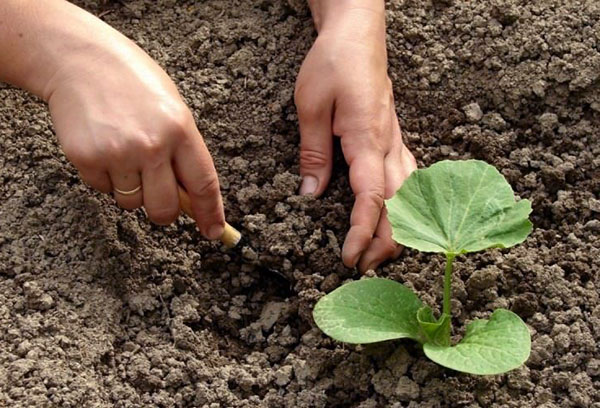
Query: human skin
pixel 121 121
pixel 343 89
pixel 118 116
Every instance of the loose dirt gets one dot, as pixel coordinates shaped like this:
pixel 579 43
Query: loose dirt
pixel 99 308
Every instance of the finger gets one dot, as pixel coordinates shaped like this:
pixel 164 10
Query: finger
pixel 399 163
pixel 367 181
pixel 409 163
pixel 160 193
pixel 382 246
pixel 99 180
pixel 316 149
pixel 397 167
pixel 127 182
pixel 195 170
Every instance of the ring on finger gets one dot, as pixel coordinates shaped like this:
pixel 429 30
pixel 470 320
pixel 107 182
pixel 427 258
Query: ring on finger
pixel 130 192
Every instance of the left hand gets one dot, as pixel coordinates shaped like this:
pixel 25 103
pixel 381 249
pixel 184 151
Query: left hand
pixel 343 89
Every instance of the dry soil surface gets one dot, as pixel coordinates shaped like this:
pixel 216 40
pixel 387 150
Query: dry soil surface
pixel 99 308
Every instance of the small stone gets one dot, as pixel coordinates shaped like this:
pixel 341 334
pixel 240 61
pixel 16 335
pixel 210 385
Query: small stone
pixel 494 121
pixel 270 313
pixel 36 298
pixel 283 375
pixel 311 338
pixel 369 274
pixel 482 279
pixel 19 368
pixel 330 282
pixel 31 290
pixel 542 349
pixel 406 389
pixel 301 370
pixel 399 362
pixel 594 205
pixel 520 379
pixel 473 112
pixel 23 348
pixel 593 225
pixel 130 347
pixel 234 314
pixel 539 88
pixel 548 121
pixel 249 254
pixel 593 367
pixel 525 305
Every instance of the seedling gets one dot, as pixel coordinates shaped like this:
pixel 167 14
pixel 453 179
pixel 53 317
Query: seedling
pixel 452 207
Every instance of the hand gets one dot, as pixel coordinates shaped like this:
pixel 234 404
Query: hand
pixel 123 124
pixel 343 89
pixel 117 115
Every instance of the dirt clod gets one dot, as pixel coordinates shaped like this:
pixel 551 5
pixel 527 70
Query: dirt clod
pixel 98 305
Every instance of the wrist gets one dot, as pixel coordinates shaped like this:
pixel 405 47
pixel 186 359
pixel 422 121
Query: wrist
pixel 92 59
pixel 328 14
pixel 85 45
pixel 47 42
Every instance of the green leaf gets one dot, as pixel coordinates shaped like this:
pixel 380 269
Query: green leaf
pixel 368 311
pixel 436 331
pixel 489 347
pixel 457 207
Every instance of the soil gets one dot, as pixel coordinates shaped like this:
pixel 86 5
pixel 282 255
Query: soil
pixel 99 308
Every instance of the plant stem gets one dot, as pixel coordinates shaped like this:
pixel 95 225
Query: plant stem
pixel 447 282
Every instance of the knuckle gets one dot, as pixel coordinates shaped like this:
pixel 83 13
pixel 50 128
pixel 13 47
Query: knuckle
pixel 388 248
pixel 380 144
pixel 208 187
pixel 308 112
pixel 112 149
pixel 371 138
pixel 313 158
pixel 375 131
pixel 307 109
pixel 375 196
pixel 298 95
pixel 81 158
pixel 153 147
pixel 177 120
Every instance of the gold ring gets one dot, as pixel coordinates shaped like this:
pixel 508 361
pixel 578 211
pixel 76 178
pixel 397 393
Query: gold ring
pixel 130 192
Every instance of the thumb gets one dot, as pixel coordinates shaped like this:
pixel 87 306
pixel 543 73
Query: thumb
pixel 316 147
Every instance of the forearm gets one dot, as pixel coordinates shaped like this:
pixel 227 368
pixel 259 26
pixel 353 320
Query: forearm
pixel 39 40
pixel 330 13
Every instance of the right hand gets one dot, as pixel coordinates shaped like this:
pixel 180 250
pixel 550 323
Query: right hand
pixel 122 123
pixel 343 89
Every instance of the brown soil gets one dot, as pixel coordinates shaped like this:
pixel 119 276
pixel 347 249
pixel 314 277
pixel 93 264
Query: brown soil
pixel 98 308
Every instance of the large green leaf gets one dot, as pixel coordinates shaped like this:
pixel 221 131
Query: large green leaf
pixel 489 347
pixel 368 311
pixel 457 207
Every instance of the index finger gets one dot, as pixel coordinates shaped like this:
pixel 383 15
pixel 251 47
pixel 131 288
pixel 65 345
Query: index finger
pixel 196 172
pixel 367 179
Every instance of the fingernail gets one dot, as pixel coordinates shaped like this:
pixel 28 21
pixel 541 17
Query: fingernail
pixel 353 262
pixel 214 231
pixel 309 185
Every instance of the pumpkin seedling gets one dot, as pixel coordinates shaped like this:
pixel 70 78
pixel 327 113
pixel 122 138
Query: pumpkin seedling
pixel 452 207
